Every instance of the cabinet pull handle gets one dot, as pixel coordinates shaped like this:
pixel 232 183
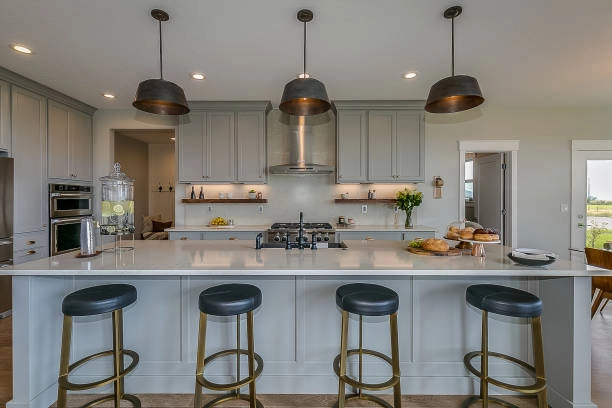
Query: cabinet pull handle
pixel 184 238
pixel 31 252
pixel 30 242
pixel 232 238
pixel 369 239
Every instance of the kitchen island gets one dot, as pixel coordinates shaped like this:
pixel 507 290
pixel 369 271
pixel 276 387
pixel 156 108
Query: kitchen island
pixel 297 327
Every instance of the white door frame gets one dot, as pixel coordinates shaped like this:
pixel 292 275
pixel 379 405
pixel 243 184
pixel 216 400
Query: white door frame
pixel 595 146
pixel 490 146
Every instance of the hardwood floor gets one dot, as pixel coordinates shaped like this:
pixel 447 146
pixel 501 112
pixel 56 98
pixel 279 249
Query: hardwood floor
pixel 6 379
pixel 601 330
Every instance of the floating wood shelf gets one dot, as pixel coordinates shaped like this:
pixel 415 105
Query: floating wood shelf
pixel 223 200
pixel 365 200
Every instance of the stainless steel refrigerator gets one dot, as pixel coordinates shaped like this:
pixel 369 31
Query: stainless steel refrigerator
pixel 6 232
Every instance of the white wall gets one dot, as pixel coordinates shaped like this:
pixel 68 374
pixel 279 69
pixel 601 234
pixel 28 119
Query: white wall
pixel 544 170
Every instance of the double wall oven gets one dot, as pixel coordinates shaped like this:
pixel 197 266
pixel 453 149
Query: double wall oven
pixel 68 204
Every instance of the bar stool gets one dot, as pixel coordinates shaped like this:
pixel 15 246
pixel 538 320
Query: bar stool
pixel 366 299
pixel 94 301
pixel 515 303
pixel 229 300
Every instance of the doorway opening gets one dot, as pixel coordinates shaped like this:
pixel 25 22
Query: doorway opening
pixel 488 185
pixel 148 156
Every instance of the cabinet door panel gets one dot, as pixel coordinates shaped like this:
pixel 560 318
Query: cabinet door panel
pixel 220 145
pixel 368 235
pixel 80 135
pixel 59 146
pixel 409 147
pixel 251 149
pixel 191 135
pixel 381 140
pixel 5 116
pixel 29 143
pixel 352 146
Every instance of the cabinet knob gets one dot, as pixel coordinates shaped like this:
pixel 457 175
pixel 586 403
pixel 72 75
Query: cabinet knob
pixel 30 242
pixel 31 252
pixel 183 238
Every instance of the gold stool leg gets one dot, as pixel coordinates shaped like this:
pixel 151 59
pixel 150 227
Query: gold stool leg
pixel 197 402
pixel 64 359
pixel 343 357
pixel 359 390
pixel 118 355
pixel 237 354
pixel 484 362
pixel 251 351
pixel 538 356
pixel 397 389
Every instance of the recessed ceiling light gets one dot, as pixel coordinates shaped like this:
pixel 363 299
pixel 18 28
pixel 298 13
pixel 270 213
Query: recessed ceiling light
pixel 21 48
pixel 303 75
pixel 108 95
pixel 409 75
pixel 198 76
pixel 173 138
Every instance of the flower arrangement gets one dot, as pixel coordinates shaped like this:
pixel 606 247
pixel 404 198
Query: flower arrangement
pixel 407 199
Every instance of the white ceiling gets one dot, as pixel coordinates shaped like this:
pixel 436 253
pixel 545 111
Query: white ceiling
pixel 523 52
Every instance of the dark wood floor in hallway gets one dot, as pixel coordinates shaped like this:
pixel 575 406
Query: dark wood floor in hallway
pixel 601 378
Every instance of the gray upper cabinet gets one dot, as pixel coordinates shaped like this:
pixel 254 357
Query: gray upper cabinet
pixel 5 117
pixel 223 142
pixel 380 141
pixel 29 145
pixel 70 143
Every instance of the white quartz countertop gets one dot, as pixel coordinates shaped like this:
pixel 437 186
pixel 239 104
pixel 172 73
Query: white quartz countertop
pixel 197 228
pixel 370 258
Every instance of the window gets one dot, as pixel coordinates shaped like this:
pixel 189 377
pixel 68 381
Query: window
pixel 469 179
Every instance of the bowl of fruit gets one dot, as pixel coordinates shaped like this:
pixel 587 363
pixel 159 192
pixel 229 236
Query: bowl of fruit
pixel 220 222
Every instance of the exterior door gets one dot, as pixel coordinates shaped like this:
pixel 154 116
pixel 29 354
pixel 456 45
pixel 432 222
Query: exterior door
pixel 591 216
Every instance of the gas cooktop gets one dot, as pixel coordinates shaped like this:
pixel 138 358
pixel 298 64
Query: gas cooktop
pixel 296 225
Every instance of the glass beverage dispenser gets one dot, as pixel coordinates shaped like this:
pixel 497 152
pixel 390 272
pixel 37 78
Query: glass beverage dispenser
pixel 117 203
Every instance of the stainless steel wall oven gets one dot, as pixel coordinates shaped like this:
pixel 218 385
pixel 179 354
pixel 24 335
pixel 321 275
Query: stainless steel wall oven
pixel 68 204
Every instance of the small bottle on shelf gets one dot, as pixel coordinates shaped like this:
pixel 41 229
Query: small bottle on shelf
pixel 192 195
pixel 201 196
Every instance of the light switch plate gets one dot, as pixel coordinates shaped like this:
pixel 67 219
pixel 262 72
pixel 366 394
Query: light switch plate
pixel 210 207
pixel 564 207
pixel 260 209
pixel 364 209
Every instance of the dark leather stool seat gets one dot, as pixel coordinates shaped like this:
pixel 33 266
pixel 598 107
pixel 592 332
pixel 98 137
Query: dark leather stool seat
pixel 230 299
pixel 367 299
pixel 504 300
pixel 511 302
pixel 99 299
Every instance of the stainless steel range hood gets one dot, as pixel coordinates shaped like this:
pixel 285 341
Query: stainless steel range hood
pixel 300 151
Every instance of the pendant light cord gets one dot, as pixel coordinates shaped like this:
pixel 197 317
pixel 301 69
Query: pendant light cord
pixel 453 46
pixel 304 49
pixel 161 63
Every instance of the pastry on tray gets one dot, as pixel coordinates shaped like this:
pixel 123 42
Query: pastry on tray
pixel 486 234
pixel 435 244
pixel 467 233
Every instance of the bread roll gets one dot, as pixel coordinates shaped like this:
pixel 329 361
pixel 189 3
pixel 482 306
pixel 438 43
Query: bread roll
pixel 486 237
pixel 452 235
pixel 452 228
pixel 466 233
pixel 435 244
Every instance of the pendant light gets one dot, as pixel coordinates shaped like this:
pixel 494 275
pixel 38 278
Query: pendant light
pixel 158 95
pixel 455 93
pixel 304 96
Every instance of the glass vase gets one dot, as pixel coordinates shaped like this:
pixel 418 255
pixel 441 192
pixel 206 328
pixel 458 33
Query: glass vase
pixel 408 223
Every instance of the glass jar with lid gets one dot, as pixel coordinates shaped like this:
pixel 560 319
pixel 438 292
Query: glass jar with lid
pixel 117 194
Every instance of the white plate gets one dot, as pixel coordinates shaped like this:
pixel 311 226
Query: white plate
pixel 534 251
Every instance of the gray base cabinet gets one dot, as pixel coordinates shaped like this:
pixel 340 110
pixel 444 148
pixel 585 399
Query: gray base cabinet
pixel 214 235
pixel 380 141
pixel 223 142
pixel 70 143
pixel 383 235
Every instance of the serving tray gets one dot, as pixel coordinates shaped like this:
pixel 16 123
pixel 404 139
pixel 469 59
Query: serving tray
pixel 421 251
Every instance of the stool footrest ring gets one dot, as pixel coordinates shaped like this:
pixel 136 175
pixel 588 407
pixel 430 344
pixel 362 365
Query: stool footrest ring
pixel 367 397
pixel 366 386
pixel 229 386
pixel 538 386
pixel 127 397
pixel 230 397
pixel 64 383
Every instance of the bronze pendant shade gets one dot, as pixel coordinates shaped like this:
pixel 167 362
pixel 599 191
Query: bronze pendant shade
pixel 455 93
pixel 304 96
pixel 158 95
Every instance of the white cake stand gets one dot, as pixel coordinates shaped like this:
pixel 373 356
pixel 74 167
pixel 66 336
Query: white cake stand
pixel 478 249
